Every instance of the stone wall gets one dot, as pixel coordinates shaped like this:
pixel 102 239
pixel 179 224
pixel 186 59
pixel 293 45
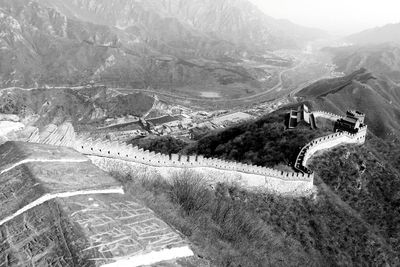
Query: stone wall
pixel 115 156
pixel 212 176
pixel 327 142
pixel 326 115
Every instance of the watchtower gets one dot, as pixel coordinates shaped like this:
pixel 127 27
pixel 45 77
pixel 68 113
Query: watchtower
pixel 353 121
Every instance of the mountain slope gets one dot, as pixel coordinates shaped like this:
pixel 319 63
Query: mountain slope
pixel 81 107
pixel 379 59
pixel 385 34
pixel 235 21
pixel 352 220
pixel 362 91
pixel 372 85
pixel 137 43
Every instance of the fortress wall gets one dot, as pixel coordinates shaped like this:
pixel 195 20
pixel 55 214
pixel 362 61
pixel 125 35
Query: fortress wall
pixel 211 175
pixel 252 176
pixel 115 155
pixel 111 154
pixel 331 141
pixel 129 153
pixel 326 115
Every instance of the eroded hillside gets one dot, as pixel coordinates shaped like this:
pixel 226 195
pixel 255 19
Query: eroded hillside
pixel 41 107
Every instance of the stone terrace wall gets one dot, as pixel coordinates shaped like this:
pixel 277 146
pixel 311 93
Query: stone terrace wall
pixel 256 176
pixel 327 142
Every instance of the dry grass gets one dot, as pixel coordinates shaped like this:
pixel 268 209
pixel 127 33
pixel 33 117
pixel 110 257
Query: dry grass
pixel 217 222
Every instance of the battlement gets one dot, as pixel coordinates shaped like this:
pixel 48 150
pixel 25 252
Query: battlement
pixel 125 152
pixel 327 142
pixel 326 115
pixel 117 156
pixel 254 176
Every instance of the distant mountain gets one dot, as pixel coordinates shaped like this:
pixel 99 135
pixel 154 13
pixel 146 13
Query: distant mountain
pixel 135 43
pixel 380 59
pixel 191 23
pixel 371 85
pixel 386 34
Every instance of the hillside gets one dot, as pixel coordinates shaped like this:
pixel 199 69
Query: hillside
pixel 363 91
pixel 264 142
pixel 82 107
pixel 138 44
pixel 371 85
pixel 386 34
pixel 380 59
pixel 186 24
pixel 351 221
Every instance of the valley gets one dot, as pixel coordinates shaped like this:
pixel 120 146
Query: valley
pixel 305 67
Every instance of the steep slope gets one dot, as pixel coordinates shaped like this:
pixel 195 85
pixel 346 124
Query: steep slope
pixel 362 91
pixel 263 142
pixel 379 59
pixel 172 21
pixel 372 85
pixel 80 106
pixel 379 35
pixel 352 220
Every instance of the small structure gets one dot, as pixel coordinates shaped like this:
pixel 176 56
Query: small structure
pixel 353 121
pixel 357 115
pixel 301 116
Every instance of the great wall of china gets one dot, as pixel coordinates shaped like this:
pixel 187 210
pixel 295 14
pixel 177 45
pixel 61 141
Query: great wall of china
pixel 119 157
pixel 326 115
pixel 115 156
pixel 52 164
pixel 327 142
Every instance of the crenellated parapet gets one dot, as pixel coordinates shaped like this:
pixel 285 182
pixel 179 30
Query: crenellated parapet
pixel 326 115
pixel 327 142
pixel 256 175
pixel 118 156
pixel 125 152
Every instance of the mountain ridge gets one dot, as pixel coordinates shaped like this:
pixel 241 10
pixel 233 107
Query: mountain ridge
pixel 389 33
pixel 50 42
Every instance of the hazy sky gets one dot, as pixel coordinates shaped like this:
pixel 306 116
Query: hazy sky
pixel 337 16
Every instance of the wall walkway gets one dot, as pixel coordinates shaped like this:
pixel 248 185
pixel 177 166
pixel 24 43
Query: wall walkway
pixel 327 142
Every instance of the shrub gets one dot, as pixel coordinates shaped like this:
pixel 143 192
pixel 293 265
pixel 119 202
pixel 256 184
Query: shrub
pixel 190 191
